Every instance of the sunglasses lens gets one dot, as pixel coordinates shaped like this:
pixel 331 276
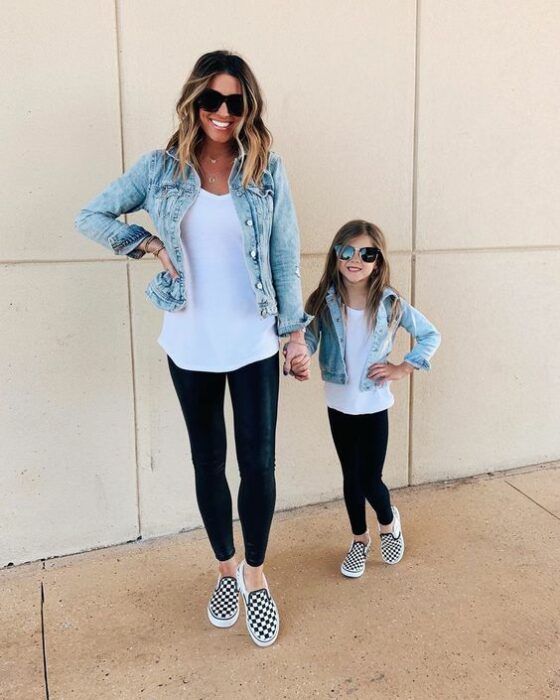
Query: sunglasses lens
pixel 345 252
pixel 235 105
pixel 369 255
pixel 210 100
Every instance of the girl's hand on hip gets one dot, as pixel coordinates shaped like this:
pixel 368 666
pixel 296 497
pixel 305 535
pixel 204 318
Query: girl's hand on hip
pixel 383 372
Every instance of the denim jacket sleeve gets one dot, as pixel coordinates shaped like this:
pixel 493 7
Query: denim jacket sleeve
pixel 426 335
pixel 98 219
pixel 285 255
pixel 312 337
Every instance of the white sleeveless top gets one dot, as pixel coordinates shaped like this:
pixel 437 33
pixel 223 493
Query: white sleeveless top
pixel 348 398
pixel 220 329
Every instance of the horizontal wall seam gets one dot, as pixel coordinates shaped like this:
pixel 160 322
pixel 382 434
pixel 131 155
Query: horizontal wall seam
pixel 417 252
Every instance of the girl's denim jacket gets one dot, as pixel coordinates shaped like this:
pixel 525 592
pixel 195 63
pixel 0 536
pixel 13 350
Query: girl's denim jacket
pixel 331 337
pixel 265 211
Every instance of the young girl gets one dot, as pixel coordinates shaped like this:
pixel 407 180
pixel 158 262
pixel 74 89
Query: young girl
pixel 357 314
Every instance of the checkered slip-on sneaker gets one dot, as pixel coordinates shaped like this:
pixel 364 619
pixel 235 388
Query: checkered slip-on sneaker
pixel 261 613
pixel 354 563
pixel 223 608
pixel 392 543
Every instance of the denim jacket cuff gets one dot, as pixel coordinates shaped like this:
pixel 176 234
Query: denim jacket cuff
pixel 417 362
pixel 289 326
pixel 125 241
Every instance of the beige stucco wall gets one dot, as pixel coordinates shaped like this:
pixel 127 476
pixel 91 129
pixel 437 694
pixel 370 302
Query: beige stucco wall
pixel 438 122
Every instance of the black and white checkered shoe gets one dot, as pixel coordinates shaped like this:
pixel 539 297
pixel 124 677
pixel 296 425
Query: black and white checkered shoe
pixel 223 608
pixel 392 543
pixel 261 613
pixel 354 563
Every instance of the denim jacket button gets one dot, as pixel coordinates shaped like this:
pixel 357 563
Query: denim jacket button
pixel 253 253
pixel 259 285
pixel 249 222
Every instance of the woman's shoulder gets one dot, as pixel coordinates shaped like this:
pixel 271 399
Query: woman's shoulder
pixel 275 163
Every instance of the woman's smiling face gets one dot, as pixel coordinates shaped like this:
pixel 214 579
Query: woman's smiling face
pixel 219 126
pixel 355 270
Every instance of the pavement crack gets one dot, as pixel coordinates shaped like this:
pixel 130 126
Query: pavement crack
pixel 532 499
pixel 44 644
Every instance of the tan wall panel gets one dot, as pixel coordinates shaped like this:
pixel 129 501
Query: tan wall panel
pixel 339 82
pixel 60 123
pixel 307 467
pixel 491 400
pixel 68 477
pixel 488 137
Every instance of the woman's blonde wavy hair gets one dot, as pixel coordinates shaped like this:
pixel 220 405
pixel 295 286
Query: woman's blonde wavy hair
pixel 377 281
pixel 253 138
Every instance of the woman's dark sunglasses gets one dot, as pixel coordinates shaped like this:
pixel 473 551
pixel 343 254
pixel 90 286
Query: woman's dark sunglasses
pixel 346 252
pixel 211 101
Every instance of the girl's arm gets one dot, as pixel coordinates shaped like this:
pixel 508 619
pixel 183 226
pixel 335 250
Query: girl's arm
pixel 312 336
pixel 426 335
pixel 98 219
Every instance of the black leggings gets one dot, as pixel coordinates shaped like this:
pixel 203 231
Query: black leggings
pixel 361 444
pixel 254 397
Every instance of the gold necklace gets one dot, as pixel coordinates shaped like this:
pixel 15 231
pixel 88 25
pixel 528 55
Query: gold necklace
pixel 211 178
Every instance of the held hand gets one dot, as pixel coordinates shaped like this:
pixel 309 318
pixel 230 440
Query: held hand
pixel 382 372
pixel 296 360
pixel 300 368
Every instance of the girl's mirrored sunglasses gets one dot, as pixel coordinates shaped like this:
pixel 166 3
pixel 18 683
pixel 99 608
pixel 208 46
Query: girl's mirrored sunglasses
pixel 211 101
pixel 346 252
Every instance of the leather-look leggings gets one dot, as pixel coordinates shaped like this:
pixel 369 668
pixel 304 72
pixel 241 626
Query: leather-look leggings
pixel 254 397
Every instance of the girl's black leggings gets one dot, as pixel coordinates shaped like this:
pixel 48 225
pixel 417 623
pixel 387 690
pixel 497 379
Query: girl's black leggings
pixel 254 397
pixel 361 444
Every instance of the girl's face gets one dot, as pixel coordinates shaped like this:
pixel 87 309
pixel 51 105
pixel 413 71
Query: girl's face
pixel 355 271
pixel 218 126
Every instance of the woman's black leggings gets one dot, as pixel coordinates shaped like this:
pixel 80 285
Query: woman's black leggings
pixel 254 397
pixel 361 444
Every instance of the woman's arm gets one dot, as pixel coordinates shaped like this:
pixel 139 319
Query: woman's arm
pixel 98 219
pixel 285 255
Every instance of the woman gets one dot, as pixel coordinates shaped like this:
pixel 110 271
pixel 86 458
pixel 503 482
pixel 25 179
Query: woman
pixel 229 245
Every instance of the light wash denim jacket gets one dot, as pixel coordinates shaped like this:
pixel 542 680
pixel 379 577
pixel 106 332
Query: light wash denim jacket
pixel 266 214
pixel 331 338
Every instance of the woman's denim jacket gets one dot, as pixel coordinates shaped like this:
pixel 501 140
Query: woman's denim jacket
pixel 266 213
pixel 331 337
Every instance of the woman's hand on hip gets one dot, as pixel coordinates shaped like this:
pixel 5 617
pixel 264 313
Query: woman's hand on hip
pixel 165 260
pixel 154 245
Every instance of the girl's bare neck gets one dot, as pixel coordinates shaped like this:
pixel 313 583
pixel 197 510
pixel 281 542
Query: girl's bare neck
pixel 356 295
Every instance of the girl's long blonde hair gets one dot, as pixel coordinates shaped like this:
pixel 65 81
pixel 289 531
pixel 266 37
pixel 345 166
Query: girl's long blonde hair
pixel 253 138
pixel 378 280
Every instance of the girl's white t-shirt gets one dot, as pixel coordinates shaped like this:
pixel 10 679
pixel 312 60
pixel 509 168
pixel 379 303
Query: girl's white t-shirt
pixel 348 398
pixel 220 329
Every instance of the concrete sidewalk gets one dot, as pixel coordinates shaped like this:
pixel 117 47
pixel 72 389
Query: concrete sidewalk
pixel 472 611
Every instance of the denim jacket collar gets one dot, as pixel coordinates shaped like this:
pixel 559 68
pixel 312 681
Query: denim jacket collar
pixel 332 295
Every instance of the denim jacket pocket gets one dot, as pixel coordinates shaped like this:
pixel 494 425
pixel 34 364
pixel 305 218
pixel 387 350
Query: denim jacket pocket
pixel 166 293
pixel 164 196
